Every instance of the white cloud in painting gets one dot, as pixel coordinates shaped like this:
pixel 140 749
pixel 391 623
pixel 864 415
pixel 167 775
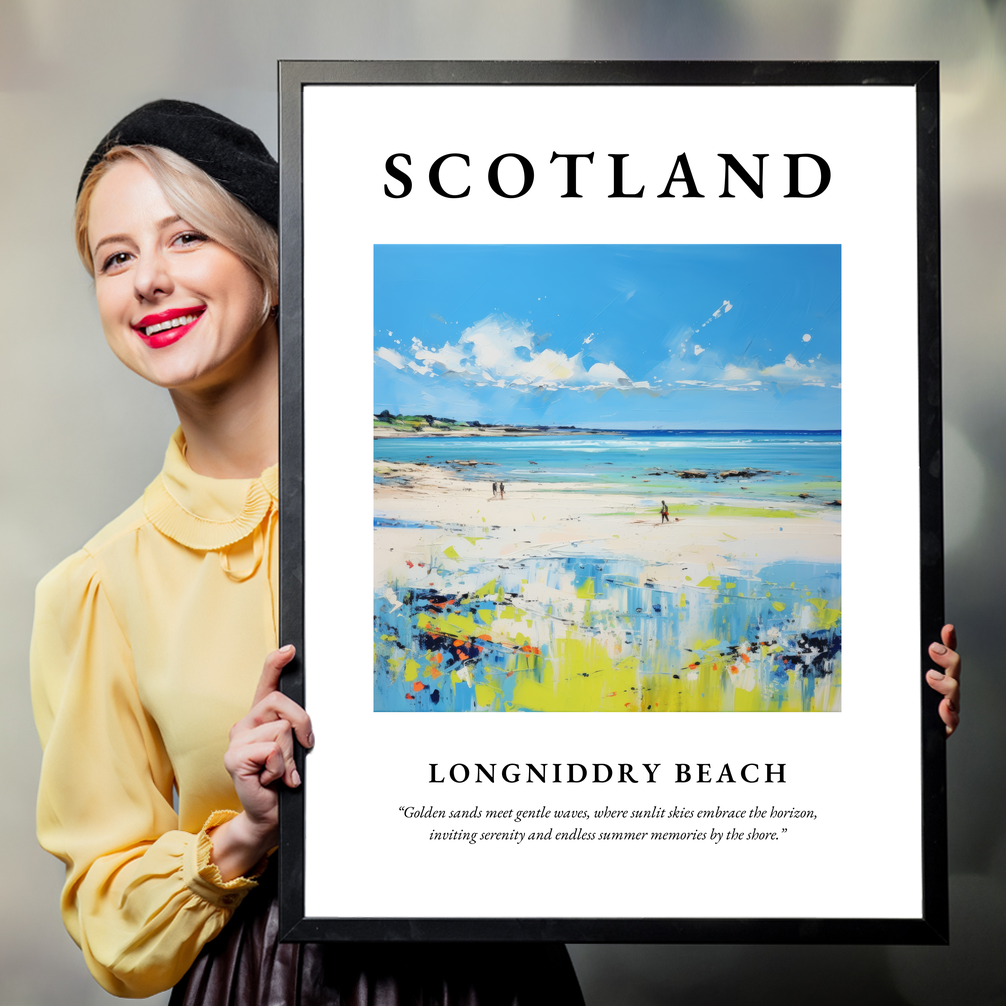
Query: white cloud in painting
pixel 390 356
pixel 501 351
pixel 806 338
pixel 718 313
pixel 791 371
pixel 750 375
pixel 399 362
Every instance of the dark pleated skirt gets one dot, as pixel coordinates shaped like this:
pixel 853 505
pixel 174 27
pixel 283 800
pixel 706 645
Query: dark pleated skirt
pixel 246 965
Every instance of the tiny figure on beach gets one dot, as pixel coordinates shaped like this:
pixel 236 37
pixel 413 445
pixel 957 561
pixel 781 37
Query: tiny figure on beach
pixel 664 519
pixel 501 490
pixel 494 490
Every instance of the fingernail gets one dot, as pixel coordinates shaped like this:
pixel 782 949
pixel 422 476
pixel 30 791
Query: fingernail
pixel 310 740
pixel 286 649
pixel 295 777
pixel 951 706
pixel 938 648
pixel 937 675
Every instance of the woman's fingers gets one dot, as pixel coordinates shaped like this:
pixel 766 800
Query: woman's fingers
pixel 949 636
pixel 258 760
pixel 270 703
pixel 950 690
pixel 261 749
pixel 947 681
pixel 271 671
pixel 279 735
pixel 277 706
pixel 950 716
pixel 948 659
pixel 946 685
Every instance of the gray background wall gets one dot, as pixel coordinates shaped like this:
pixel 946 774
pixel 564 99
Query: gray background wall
pixel 82 436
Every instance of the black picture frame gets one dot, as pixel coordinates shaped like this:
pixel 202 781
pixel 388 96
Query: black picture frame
pixel 932 926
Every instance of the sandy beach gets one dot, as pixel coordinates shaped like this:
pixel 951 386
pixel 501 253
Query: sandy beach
pixel 714 534
pixel 560 597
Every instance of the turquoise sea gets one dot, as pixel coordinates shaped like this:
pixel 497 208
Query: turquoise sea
pixel 780 463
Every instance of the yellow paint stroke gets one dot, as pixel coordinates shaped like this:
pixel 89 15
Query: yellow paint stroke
pixel 576 673
pixel 825 617
pixel 722 510
pixel 486 697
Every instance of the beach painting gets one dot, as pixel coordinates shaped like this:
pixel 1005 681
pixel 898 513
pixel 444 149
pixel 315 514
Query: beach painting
pixel 607 478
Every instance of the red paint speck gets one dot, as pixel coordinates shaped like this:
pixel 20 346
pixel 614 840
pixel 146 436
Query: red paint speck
pixel 418 686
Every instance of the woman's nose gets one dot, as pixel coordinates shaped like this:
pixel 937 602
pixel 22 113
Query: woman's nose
pixel 152 277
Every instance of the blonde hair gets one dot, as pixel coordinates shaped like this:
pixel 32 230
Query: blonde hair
pixel 199 200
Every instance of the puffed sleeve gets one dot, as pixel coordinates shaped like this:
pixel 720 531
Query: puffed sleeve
pixel 141 898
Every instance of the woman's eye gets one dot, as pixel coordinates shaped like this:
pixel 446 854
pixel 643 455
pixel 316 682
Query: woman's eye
pixel 190 238
pixel 114 261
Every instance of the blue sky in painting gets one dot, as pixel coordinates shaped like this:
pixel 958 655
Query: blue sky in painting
pixel 612 336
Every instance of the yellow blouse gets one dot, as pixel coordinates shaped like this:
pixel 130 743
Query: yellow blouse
pixel 147 647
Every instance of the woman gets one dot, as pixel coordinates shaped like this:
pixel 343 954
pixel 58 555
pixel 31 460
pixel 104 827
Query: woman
pixel 148 642
pixel 148 646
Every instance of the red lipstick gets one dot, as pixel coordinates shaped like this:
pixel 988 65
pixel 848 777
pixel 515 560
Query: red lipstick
pixel 166 327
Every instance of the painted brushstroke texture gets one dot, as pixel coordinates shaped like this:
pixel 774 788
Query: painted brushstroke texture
pixel 566 634
pixel 570 592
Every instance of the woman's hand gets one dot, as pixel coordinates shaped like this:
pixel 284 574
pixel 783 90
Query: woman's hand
pixel 948 681
pixel 260 753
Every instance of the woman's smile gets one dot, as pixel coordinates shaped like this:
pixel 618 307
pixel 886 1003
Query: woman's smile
pixel 166 327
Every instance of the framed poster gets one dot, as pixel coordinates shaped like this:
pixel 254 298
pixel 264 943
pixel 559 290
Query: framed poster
pixel 611 501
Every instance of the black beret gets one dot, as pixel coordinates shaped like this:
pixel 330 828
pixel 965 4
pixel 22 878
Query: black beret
pixel 230 154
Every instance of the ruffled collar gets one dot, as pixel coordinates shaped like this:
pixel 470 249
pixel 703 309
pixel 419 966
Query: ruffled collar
pixel 203 513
